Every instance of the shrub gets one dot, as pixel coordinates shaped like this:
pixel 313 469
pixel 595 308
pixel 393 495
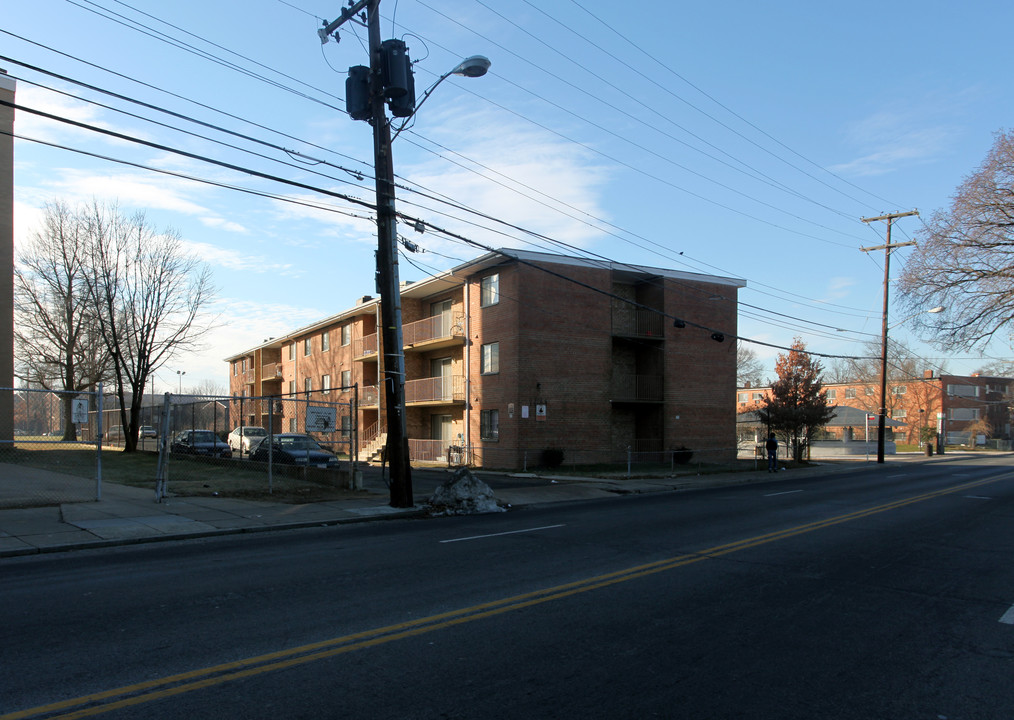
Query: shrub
pixel 682 455
pixel 552 457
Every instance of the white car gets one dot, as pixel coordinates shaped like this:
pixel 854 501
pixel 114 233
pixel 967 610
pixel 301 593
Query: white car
pixel 245 438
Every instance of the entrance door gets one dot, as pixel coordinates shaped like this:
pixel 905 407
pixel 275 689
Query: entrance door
pixel 442 310
pixel 442 368
pixel 442 429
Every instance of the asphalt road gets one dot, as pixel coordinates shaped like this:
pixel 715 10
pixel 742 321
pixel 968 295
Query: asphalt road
pixel 878 594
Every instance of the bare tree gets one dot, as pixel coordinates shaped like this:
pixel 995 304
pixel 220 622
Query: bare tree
pixel 58 344
pixel 965 257
pixel 748 366
pixel 149 294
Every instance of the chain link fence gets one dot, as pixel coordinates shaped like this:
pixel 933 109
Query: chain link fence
pixel 252 443
pixel 53 456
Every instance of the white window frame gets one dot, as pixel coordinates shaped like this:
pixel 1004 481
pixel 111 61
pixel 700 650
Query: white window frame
pixel 325 384
pixel 489 425
pixel 325 341
pixel 490 358
pixel 489 290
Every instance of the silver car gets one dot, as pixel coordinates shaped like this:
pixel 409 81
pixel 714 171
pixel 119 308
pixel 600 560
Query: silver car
pixel 245 438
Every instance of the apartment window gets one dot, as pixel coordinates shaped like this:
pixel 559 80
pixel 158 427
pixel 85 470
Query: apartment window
pixel 307 346
pixel 308 385
pixel 346 378
pixel 235 367
pixel 346 334
pixel 325 384
pixel 832 395
pixel 292 351
pixel 870 390
pixel 292 387
pixel 491 358
pixel 489 293
pixel 899 389
pixel 489 425
pixel 963 390
pixel 758 396
pixel 244 364
pixel 899 414
pixel 741 397
pixel 964 414
pixel 325 341
pixel 292 425
pixel 850 393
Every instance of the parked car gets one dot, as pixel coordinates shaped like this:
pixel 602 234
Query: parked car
pixel 115 434
pixel 245 438
pixel 199 442
pixel 147 431
pixel 294 449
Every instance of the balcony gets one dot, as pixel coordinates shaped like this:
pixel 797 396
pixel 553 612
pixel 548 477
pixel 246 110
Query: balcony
pixel 640 323
pixel 271 371
pixel 434 333
pixel 435 391
pixel 365 348
pixel 637 388
pixel 369 396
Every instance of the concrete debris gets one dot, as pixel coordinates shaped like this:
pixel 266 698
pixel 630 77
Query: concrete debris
pixel 464 494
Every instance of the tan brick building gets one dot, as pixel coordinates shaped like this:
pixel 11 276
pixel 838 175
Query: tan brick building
pixel 954 405
pixel 516 352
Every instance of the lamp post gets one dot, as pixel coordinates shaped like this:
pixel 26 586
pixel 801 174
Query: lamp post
pixel 382 63
pixel 181 373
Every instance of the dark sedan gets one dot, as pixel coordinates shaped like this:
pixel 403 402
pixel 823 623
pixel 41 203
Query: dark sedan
pixel 294 449
pixel 199 442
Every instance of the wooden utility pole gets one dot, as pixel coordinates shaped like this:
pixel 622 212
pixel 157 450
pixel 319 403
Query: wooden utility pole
pixel 387 261
pixel 881 421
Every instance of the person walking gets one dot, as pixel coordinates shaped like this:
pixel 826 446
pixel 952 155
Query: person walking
pixel 772 446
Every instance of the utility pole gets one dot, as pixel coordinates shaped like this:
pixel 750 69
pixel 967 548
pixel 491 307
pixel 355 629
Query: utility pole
pixel 881 421
pixel 387 261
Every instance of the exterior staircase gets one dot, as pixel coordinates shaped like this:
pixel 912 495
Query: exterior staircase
pixel 371 452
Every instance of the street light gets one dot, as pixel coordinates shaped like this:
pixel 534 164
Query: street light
pixel 472 67
pixel 389 79
pixel 181 373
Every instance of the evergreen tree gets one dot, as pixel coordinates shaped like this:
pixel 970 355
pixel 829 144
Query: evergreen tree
pixel 797 406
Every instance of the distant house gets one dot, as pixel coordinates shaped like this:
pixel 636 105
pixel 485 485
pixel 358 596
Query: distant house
pixel 516 352
pixel 951 404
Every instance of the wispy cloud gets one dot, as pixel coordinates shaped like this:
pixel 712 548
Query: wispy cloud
pixel 896 137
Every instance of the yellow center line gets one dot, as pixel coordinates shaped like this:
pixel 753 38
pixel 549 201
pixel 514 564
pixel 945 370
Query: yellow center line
pixel 139 693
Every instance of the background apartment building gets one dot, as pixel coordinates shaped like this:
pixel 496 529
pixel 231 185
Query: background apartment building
pixel 516 352
pixel 953 405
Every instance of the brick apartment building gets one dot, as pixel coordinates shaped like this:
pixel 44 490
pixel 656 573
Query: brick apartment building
pixel 515 352
pixel 951 404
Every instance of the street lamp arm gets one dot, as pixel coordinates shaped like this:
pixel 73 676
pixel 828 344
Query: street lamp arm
pixel 474 66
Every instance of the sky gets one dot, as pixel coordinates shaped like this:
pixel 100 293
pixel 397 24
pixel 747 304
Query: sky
pixel 739 139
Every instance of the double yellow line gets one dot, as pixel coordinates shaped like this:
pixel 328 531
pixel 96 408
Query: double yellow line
pixel 139 693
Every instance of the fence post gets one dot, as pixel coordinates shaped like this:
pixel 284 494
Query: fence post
pixel 98 464
pixel 629 460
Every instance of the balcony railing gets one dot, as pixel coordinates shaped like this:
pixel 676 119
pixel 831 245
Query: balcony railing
pixel 436 389
pixel 637 388
pixel 427 450
pixel 642 323
pixel 369 395
pixel 271 371
pixel 364 346
pixel 438 327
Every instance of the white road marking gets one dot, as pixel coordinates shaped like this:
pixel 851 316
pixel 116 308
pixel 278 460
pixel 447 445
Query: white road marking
pixel 978 497
pixel 1008 617
pixel 787 492
pixel 512 532
pixel 891 477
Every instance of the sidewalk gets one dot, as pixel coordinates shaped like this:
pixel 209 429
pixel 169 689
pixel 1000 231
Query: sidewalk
pixel 128 515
